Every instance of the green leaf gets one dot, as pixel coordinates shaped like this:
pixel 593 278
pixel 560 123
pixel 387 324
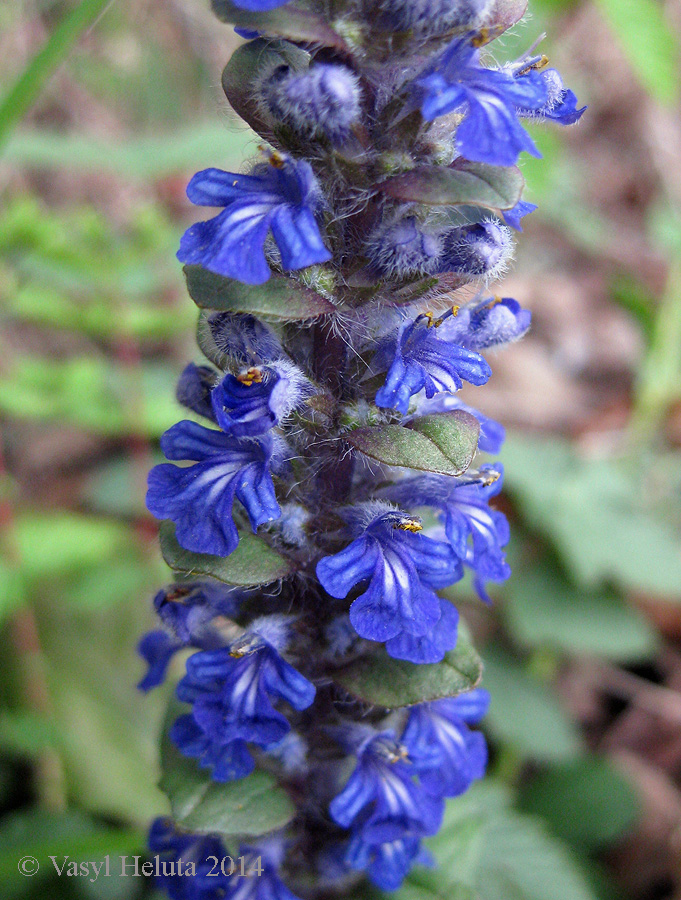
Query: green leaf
pixel 54 391
pixel 650 42
pixel 30 83
pixel 588 803
pixel 113 488
pixel 251 806
pixel 393 683
pixel 253 562
pixel 12 588
pixel 463 183
pixel 543 609
pixel 526 713
pixel 26 733
pixel 105 730
pixel 110 582
pixel 443 443
pixel 495 853
pixel 43 834
pixel 60 542
pixel 609 521
pixel 41 305
pixel 424 884
pixel 281 298
pixel 290 22
pixel 198 146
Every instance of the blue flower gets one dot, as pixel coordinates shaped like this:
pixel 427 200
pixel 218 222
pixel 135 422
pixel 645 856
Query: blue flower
pixel 178 852
pixel 264 858
pixel 231 692
pixel 427 357
pixel 255 6
pixel 403 569
pixel 388 864
pixel 446 754
pixel 194 387
pixel 249 404
pixel 476 533
pixel 281 196
pixel 513 216
pixel 247 33
pixel 199 498
pixel 187 610
pixel 492 433
pixel 561 103
pixel 156 648
pixel 490 131
pixel 381 801
pixel 432 646
pixel 291 754
pixel 500 320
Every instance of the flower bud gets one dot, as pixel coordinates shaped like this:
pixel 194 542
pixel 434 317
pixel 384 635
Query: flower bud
pixel 497 321
pixel 484 249
pixel 243 339
pixel 402 248
pixel 323 101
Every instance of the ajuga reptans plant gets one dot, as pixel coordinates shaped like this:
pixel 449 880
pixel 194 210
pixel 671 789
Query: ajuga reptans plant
pixel 326 487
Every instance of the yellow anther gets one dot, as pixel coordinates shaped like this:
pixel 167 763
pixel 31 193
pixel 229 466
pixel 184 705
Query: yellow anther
pixel 178 595
pixel 490 478
pixel 276 160
pixel 495 301
pixel 399 755
pixel 250 376
pixel 541 63
pixel 481 38
pixel 409 524
pixel 429 315
pixel 438 322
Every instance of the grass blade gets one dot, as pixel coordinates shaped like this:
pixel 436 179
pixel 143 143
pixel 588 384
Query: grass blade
pixel 30 83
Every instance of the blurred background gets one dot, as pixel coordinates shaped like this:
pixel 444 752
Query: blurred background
pixel 106 109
